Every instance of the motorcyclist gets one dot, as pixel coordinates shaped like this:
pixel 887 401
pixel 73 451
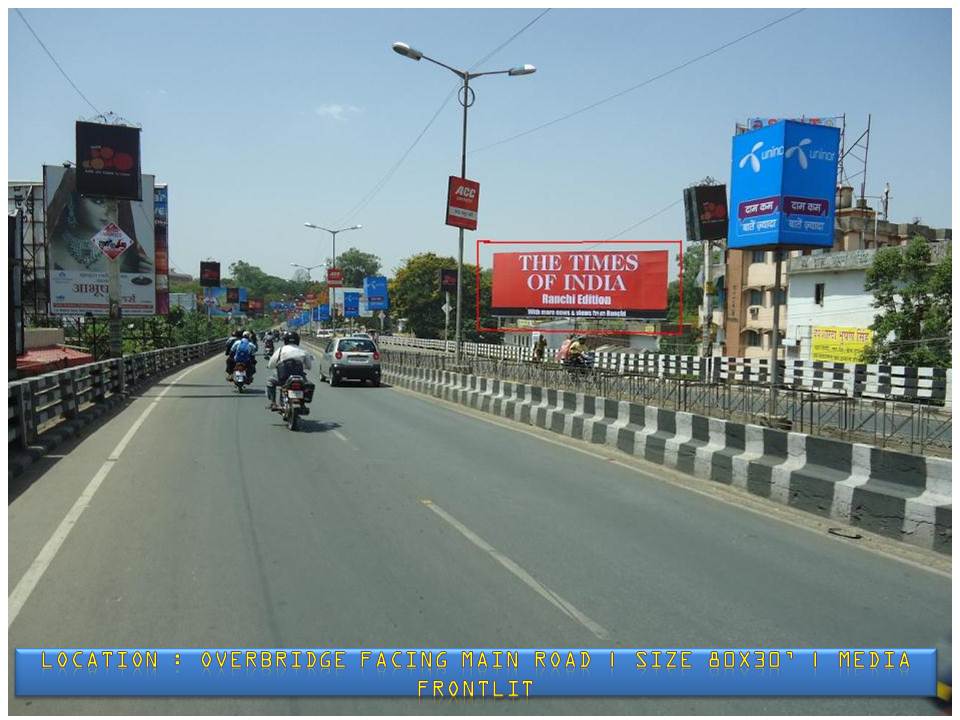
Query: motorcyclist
pixel 289 359
pixel 243 350
pixel 576 350
pixel 237 335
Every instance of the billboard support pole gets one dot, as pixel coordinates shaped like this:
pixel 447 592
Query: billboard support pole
pixel 707 298
pixel 466 102
pixel 775 340
pixel 116 342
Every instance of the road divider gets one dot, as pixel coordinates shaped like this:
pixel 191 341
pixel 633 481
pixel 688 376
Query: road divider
pixel 900 496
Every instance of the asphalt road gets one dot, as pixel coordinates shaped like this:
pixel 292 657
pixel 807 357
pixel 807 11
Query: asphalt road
pixel 218 527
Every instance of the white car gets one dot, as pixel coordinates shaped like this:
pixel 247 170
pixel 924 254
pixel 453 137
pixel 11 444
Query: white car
pixel 350 358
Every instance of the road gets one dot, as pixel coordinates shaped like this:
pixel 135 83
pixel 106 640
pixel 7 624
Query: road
pixel 218 527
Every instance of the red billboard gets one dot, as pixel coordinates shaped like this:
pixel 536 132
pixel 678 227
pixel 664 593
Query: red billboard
pixel 581 284
pixel 334 277
pixel 463 201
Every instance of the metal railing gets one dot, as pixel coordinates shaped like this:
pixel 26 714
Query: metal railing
pixel 37 401
pixel 904 426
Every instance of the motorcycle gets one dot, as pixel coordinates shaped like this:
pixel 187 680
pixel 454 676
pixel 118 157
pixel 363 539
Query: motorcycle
pixel 240 377
pixel 580 364
pixel 267 349
pixel 293 397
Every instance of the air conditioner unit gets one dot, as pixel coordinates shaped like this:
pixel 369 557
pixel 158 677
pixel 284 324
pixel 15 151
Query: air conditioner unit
pixel 754 312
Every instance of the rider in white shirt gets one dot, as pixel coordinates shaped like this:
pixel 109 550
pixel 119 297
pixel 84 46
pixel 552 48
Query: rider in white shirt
pixel 288 359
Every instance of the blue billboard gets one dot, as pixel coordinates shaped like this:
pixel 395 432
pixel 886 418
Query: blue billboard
pixel 351 304
pixel 321 312
pixel 375 290
pixel 783 187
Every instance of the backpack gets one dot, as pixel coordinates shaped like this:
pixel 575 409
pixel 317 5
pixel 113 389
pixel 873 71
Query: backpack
pixel 243 353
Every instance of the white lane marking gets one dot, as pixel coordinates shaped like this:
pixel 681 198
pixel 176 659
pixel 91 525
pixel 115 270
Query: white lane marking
pixel 549 595
pixel 684 482
pixel 21 593
pixel 340 436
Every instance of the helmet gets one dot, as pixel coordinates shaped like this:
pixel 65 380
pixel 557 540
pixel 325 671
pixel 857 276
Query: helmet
pixel 246 334
pixel 294 337
pixel 237 333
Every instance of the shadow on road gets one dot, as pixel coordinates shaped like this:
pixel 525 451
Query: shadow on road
pixel 311 426
pixel 254 393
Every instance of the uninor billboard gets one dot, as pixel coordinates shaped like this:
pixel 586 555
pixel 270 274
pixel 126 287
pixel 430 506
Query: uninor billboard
pixel 78 269
pixel 585 284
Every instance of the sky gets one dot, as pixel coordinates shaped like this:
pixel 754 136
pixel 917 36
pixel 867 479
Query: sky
pixel 261 120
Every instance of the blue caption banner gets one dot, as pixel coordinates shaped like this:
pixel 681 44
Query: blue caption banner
pixel 475 673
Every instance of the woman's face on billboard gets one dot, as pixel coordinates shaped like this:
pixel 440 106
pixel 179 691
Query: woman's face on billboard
pixel 96 212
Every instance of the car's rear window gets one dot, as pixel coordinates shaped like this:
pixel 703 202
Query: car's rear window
pixel 357 345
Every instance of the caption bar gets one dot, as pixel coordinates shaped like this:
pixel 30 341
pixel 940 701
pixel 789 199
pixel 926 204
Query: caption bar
pixel 459 673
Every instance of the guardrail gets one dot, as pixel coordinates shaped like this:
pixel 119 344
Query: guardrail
pixel 36 401
pixel 853 380
pixel 908 427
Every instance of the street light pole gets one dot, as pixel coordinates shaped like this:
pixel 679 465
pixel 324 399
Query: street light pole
pixel 466 98
pixel 330 289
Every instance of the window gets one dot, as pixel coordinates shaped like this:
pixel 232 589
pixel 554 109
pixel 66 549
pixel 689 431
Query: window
pixel 759 256
pixel 781 295
pixel 756 297
pixel 356 345
pixel 819 292
pixel 753 339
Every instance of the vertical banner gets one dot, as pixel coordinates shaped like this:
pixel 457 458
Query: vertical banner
pixel 108 161
pixel 323 312
pixel 448 280
pixel 162 252
pixel 375 290
pixel 463 202
pixel 82 231
pixel 351 304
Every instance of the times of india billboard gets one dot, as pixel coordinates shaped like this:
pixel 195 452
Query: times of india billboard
pixel 581 284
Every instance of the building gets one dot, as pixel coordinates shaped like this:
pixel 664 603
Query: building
pixel 820 288
pixel 178 277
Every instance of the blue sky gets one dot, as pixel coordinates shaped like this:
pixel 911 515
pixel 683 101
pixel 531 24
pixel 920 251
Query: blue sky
pixel 261 120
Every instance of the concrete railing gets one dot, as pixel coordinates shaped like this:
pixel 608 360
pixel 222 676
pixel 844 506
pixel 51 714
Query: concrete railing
pixel 35 401
pixel 898 495
pixel 891 382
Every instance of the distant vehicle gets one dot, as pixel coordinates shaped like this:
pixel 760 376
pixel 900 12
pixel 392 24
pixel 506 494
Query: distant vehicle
pixel 350 358
pixel 324 334
pixel 367 336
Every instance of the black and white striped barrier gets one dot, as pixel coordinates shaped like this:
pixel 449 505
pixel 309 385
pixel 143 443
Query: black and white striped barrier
pixel 901 496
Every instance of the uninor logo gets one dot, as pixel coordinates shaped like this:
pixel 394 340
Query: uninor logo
pixel 752 158
pixel 798 149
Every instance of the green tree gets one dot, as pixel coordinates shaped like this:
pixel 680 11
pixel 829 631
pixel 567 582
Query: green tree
pixel 692 287
pixel 912 296
pixel 357 265
pixel 415 294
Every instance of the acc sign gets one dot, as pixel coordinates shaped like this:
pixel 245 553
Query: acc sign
pixel 463 200
pixel 334 277
pixel 112 241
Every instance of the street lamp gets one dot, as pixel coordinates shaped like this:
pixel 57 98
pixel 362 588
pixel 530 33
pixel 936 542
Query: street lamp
pixel 466 98
pixel 308 269
pixel 334 234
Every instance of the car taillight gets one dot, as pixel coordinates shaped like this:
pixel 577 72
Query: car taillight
pixel 376 356
pixel 338 355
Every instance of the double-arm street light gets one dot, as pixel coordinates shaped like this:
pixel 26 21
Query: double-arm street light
pixel 466 98
pixel 308 269
pixel 334 261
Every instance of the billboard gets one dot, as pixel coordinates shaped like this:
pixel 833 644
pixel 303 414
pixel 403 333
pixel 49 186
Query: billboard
pixel 218 300
pixel 783 185
pixel 584 284
pixel 188 301
pixel 209 274
pixel 108 161
pixel 839 344
pixel 351 304
pixel 79 271
pixel 463 201
pixel 706 208
pixel 161 250
pixel 334 277
pixel 375 292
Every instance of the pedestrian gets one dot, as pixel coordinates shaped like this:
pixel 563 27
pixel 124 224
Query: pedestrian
pixel 539 347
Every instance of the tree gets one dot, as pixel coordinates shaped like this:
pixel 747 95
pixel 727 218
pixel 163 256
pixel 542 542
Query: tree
pixel 912 296
pixel 692 287
pixel 357 265
pixel 415 295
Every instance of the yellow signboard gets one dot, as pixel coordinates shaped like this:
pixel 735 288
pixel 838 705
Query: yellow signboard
pixel 839 344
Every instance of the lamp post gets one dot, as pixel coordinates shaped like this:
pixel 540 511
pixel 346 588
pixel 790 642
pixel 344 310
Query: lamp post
pixel 308 269
pixel 333 312
pixel 466 98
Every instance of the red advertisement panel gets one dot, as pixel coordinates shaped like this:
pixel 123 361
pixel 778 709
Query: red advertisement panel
pixel 463 201
pixel 591 283
pixel 334 277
